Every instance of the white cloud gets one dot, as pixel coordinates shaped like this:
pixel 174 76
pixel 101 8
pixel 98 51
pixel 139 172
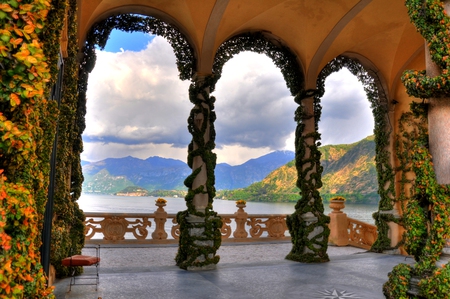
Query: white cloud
pixel 137 106
pixel 254 107
pixel 346 113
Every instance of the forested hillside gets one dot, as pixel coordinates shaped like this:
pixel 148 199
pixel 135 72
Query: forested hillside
pixel 348 170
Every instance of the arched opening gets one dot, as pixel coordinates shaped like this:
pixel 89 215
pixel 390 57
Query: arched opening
pixel 308 224
pixel 253 107
pixel 348 146
pixel 74 113
pixel 376 95
pixel 136 108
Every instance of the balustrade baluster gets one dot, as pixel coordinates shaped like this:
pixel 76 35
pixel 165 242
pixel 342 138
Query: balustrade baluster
pixel 241 219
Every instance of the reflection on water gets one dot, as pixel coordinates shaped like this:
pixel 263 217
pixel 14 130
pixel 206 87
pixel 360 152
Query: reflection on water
pixel 129 204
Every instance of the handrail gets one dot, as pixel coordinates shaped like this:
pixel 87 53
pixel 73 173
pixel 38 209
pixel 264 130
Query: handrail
pixel 348 231
pixel 160 227
pixel 129 228
pixel 361 234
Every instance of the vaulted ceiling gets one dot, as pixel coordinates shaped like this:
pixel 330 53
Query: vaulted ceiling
pixel 377 32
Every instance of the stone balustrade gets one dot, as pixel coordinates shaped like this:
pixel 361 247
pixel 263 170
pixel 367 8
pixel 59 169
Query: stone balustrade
pixel 348 231
pixel 162 228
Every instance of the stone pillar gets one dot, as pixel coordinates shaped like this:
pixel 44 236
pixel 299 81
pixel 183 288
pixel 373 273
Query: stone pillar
pixel 439 128
pixel 308 226
pixel 202 107
pixel 395 231
pixel 439 134
pixel 241 220
pixel 338 224
pixel 200 235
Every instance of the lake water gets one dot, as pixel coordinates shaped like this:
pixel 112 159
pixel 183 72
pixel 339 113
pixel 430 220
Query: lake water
pixel 130 204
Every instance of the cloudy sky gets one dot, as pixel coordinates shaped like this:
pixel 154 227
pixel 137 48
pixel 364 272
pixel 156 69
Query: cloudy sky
pixel 138 107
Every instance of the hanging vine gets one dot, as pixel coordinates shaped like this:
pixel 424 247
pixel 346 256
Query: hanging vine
pixel 433 24
pixel 256 42
pixel 99 34
pixel 426 217
pixel 189 249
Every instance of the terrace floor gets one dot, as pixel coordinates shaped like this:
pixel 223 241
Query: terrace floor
pixel 245 271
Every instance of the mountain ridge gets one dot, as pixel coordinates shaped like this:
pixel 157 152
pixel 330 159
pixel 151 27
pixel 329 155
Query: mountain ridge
pixel 156 173
pixel 349 171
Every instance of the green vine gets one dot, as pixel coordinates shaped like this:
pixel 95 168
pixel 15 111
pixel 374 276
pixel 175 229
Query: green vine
pixel 427 216
pixel 67 227
pixel 256 42
pixel 433 24
pixel 426 219
pixel 199 250
pixel 382 130
pixel 305 248
pixel 194 251
pixel 27 130
pixel 309 178
pixel 184 54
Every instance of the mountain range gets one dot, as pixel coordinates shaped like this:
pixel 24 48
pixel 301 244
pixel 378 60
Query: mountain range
pixel 348 170
pixel 155 173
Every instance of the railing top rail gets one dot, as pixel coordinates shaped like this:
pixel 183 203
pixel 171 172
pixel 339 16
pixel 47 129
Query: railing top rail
pixel 353 220
pixel 169 215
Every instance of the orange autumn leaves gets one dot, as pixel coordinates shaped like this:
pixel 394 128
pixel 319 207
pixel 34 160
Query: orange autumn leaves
pixel 23 77
pixel 20 50
pixel 18 232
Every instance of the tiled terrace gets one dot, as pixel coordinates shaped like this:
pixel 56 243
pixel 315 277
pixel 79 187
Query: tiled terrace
pixel 245 271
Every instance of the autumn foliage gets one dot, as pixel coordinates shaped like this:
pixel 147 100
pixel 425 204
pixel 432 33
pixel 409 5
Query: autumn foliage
pixel 27 127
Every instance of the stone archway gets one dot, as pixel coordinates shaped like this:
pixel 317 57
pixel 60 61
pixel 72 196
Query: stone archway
pixel 376 92
pixel 74 102
pixel 308 225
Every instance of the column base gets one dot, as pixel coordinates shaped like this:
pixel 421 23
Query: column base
pixel 200 238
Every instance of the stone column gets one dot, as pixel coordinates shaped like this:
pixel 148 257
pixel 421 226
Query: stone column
pixel 439 134
pixel 338 224
pixel 308 226
pixel 439 128
pixel 200 235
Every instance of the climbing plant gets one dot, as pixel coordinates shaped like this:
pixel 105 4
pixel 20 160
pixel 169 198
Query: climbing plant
pixel 309 181
pixel 199 249
pixel 427 215
pixel 433 24
pixel 100 31
pixel 27 130
pixel 382 130
pixel 308 167
pixel 189 250
pixel 67 226
pixel 256 42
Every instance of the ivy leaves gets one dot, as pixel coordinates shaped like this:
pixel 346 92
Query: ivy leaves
pixel 433 24
pixel 24 146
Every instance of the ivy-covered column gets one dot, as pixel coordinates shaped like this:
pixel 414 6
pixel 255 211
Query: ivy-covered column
pixel 308 225
pixel 200 235
pixel 439 134
pixel 438 127
pixel 427 217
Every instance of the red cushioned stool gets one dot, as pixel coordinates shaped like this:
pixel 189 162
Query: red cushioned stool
pixel 81 261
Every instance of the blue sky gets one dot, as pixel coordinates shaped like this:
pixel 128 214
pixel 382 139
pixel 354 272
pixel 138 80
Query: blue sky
pixel 136 41
pixel 138 107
